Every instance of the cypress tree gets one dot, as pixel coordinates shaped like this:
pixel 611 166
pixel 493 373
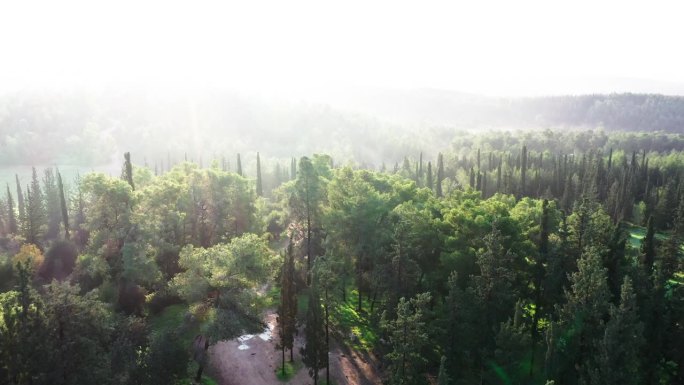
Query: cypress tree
pixel 259 187
pixel 127 172
pixel 54 215
pixel 428 179
pixel 498 177
pixel 63 204
pixel 239 165
pixel 523 170
pixel 288 305
pixel 11 218
pixel 293 169
pixel 420 167
pixel 472 178
pixel 314 355
pixel 440 174
pixel 20 204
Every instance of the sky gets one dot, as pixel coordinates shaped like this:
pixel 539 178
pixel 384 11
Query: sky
pixel 490 47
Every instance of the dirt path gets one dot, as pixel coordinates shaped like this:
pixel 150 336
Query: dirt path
pixel 253 359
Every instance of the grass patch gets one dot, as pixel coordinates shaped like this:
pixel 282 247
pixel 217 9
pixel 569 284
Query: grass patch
pixel 290 370
pixel 348 320
pixel 637 233
pixel 273 297
pixel 169 319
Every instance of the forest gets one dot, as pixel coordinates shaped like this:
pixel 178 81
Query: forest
pixel 504 257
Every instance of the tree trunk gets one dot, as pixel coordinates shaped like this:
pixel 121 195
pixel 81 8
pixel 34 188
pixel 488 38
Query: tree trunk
pixel 327 340
pixel 283 360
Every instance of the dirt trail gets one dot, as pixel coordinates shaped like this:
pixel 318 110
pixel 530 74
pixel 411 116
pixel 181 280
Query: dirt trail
pixel 253 359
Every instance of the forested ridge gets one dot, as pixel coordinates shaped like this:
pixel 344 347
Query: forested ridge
pixel 532 257
pixel 89 127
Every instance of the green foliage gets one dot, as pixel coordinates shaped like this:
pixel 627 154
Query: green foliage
pixel 407 336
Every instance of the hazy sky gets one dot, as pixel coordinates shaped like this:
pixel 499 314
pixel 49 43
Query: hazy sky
pixel 493 47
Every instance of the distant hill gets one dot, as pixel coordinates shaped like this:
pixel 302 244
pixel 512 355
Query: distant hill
pixel 619 112
pixel 95 128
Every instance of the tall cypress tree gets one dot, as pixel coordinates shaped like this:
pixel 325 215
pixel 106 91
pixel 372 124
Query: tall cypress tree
pixel 259 186
pixel 428 178
pixel 239 165
pixel 52 204
pixel 288 305
pixel 20 205
pixel 63 204
pixel 440 174
pixel 523 170
pixel 11 218
pixel 127 172
pixel 314 354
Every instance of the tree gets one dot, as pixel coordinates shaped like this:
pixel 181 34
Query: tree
pixel 581 321
pixel 238 169
pixel 52 204
pixel 21 206
pixel 407 336
pixel 314 353
pixel 127 170
pixel 326 279
pixel 305 203
pixel 620 347
pixel 648 247
pixel 11 216
pixel 259 186
pixel 429 183
pixel 63 204
pixel 442 376
pixel 523 170
pixel 440 174
pixel 288 305
pixel 79 336
pixel 23 333
pixel 36 217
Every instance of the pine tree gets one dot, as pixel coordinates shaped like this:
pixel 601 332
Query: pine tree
pixel 239 165
pixel 63 204
pixel 408 336
pixel 259 187
pixel 581 321
pixel 648 247
pixel 620 348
